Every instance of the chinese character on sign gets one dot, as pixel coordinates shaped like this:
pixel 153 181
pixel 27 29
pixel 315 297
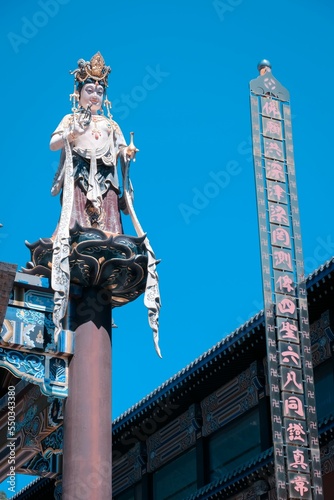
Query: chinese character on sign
pixel 270 108
pixel 280 237
pixel 282 260
pixel 299 460
pixel 288 330
pixel 272 128
pixel 296 432
pixel 284 283
pixel 290 356
pixel 276 192
pixel 300 483
pixel 275 170
pixel 269 314
pixel 278 214
pixel 290 381
pixel 273 149
pixel 293 406
pixel 287 306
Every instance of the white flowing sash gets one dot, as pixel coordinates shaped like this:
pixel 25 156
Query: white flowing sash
pixel 152 294
pixel 60 274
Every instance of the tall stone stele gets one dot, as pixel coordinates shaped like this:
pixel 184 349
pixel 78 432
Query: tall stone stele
pixel 93 266
pixel 289 354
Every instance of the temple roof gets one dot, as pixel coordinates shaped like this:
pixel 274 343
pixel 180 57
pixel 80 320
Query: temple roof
pixel 238 340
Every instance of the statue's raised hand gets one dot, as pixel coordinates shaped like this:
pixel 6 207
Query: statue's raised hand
pixel 131 149
pixel 78 126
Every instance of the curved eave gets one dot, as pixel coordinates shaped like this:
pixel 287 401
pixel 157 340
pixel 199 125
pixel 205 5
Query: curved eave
pixel 39 485
pixel 231 344
pixel 257 468
pixel 326 429
pixel 320 274
pixel 231 483
pixel 222 350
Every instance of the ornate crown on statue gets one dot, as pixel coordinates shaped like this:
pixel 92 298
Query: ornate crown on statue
pixel 94 69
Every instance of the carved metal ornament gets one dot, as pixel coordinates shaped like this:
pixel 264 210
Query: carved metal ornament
pixel 267 84
pixel 115 263
pixel 48 372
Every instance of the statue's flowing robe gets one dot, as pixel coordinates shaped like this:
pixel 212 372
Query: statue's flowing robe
pixel 96 183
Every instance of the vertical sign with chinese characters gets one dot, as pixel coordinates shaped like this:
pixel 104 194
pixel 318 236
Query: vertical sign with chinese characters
pixel 290 372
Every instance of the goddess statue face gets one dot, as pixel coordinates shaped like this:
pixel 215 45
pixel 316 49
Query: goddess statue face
pixel 91 95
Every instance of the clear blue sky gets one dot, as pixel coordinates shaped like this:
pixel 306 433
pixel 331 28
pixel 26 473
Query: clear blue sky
pixel 191 119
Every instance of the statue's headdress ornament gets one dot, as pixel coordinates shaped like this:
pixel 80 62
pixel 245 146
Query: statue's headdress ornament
pixel 95 70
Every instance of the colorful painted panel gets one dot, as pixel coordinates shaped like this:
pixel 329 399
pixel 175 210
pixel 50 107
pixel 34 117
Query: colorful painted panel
pixel 230 401
pixel 173 439
pixel 127 470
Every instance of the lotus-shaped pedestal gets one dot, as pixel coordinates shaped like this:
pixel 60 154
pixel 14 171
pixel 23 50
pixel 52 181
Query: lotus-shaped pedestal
pixel 114 263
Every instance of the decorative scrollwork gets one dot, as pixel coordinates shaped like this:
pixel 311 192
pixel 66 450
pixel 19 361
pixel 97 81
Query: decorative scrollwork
pixel 115 263
pixel 49 373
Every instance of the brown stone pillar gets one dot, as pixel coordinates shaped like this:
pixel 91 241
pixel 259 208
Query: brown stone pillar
pixel 87 415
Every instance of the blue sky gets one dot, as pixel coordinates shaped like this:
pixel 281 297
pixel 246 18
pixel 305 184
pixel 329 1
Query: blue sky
pixel 180 74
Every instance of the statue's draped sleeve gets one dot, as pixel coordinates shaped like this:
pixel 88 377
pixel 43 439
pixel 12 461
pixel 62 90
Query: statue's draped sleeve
pixel 59 176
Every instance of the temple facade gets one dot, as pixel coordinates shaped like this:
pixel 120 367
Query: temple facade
pixel 206 433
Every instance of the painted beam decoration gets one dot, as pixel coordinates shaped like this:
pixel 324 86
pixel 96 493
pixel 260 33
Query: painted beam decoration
pixel 7 277
pixel 290 371
pixel 27 345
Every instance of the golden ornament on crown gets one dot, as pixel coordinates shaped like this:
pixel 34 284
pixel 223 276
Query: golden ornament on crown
pixel 95 69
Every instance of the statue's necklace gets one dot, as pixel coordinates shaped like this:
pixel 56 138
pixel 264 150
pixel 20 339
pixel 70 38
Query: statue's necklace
pixel 95 131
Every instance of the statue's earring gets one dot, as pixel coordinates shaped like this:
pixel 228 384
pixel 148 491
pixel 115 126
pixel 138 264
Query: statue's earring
pixel 75 100
pixel 107 104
